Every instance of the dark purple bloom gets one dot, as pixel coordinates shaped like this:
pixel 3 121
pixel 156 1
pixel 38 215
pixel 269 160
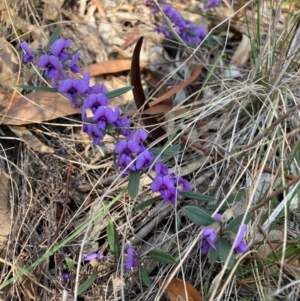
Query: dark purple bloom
pixel 51 64
pixel 28 57
pixel 65 276
pixel 209 238
pixel 169 195
pixel 98 89
pixel 72 87
pixel 211 4
pixel 123 123
pixel 94 132
pixel 104 115
pixel 92 256
pixel 127 147
pixel 182 184
pixel 73 64
pixel 239 244
pixel 162 183
pixel 93 102
pixel 144 160
pixel 58 48
pixel 160 169
pixel 131 262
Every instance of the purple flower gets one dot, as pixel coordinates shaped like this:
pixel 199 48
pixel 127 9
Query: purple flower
pixel 217 216
pixel 98 89
pixel 72 87
pixel 123 123
pixel 28 57
pixel 127 147
pixel 239 244
pixel 65 276
pixel 209 238
pixel 51 64
pixel 104 115
pixel 160 169
pixel 58 48
pixel 94 132
pixel 169 195
pixel 211 4
pixel 131 262
pixel 182 184
pixel 92 256
pixel 162 183
pixel 73 64
pixel 93 102
pixel 144 160
pixel 59 77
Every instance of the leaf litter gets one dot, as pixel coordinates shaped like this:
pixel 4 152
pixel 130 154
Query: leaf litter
pixel 106 34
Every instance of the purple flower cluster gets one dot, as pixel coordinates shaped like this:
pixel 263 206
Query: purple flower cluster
pixel 210 235
pixel 187 30
pixel 131 262
pixel 99 118
pixel 211 4
pixel 168 185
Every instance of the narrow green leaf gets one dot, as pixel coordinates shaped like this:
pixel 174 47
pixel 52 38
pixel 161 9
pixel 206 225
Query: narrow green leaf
pixel 145 276
pixel 55 35
pixel 70 263
pixel 134 184
pixel 167 153
pixel 239 271
pixel 36 88
pixel 198 215
pixel 178 221
pixel 224 248
pixel 162 256
pixel 197 196
pixel 113 239
pixel 118 92
pixel 86 284
pixel 236 223
pixel 234 198
pixel 213 255
pixel 147 203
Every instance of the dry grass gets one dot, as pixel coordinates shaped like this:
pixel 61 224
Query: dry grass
pixel 241 135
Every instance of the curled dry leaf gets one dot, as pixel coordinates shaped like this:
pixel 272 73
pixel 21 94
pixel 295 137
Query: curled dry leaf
pixel 179 290
pixel 37 107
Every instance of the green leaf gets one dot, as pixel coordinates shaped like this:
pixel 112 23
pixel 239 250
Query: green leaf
pixel 197 196
pixel 113 239
pixel 145 276
pixel 224 248
pixel 70 263
pixel 55 35
pixel 236 223
pixel 198 215
pixel 239 271
pixel 147 203
pixel 118 92
pixel 167 153
pixel 86 284
pixel 234 198
pixel 134 184
pixel 162 256
pixel 178 221
pixel 36 88
pixel 213 255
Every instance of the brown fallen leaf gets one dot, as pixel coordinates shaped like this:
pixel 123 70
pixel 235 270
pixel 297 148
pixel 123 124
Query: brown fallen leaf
pixel 179 290
pixel 32 141
pixel 111 66
pixel 37 107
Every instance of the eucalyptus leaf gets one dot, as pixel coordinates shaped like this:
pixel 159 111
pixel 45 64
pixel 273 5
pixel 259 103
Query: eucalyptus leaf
pixel 113 239
pixel 162 256
pixel 147 203
pixel 86 284
pixel 55 35
pixel 236 223
pixel 198 215
pixel 224 248
pixel 167 153
pixel 145 276
pixel 197 196
pixel 118 92
pixel 36 88
pixel 134 184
